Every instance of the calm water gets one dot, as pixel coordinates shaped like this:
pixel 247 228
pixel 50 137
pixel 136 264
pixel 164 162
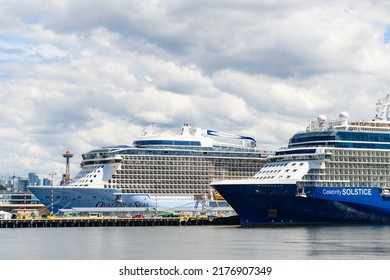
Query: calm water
pixel 196 243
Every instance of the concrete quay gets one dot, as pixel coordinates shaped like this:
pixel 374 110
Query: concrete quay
pixel 101 222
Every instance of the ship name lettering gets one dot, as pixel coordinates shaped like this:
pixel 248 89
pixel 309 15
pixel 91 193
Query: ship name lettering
pixel 140 204
pixel 356 191
pixel 331 192
pixel 115 204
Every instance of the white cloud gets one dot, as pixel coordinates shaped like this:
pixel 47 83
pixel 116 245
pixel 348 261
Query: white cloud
pixel 75 75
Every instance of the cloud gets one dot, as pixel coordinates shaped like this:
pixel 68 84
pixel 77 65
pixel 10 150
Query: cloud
pixel 76 75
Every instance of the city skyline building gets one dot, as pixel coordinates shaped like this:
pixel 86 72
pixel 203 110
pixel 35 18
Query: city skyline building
pixel 33 179
pixel 20 184
pixel 14 183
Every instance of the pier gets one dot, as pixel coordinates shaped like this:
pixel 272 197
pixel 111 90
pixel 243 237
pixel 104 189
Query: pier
pixel 104 222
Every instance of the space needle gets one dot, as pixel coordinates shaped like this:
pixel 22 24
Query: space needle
pixel 68 155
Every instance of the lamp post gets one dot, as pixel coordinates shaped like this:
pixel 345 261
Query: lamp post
pixel 52 192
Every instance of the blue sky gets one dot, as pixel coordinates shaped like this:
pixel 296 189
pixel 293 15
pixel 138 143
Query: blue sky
pixel 75 75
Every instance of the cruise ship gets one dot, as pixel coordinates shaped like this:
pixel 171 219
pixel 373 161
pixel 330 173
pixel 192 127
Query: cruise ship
pixel 158 171
pixel 335 172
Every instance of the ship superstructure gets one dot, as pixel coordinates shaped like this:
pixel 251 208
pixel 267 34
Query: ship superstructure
pixel 334 172
pixel 158 171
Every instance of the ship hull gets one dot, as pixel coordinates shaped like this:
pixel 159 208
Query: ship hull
pixel 58 199
pixel 276 204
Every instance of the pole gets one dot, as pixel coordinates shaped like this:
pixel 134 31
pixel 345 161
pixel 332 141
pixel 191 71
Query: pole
pixel 52 192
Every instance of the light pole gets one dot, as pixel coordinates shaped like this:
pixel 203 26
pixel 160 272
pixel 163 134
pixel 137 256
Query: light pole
pixel 52 192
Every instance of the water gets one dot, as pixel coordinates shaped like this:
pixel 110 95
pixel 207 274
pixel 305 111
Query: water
pixel 196 243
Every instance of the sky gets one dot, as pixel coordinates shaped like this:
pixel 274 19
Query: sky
pixel 76 75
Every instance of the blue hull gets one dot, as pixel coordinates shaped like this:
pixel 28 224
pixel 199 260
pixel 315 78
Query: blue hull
pixel 259 205
pixel 58 198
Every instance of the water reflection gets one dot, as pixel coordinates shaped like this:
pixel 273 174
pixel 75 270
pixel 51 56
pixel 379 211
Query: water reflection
pixel 197 243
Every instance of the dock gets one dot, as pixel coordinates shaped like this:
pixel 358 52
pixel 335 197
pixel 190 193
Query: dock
pixel 103 222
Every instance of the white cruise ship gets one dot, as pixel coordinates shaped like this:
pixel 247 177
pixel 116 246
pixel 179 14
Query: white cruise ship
pixel 166 172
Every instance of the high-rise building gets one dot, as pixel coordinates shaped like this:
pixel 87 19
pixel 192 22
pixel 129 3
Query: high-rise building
pixel 46 182
pixel 21 184
pixel 33 179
